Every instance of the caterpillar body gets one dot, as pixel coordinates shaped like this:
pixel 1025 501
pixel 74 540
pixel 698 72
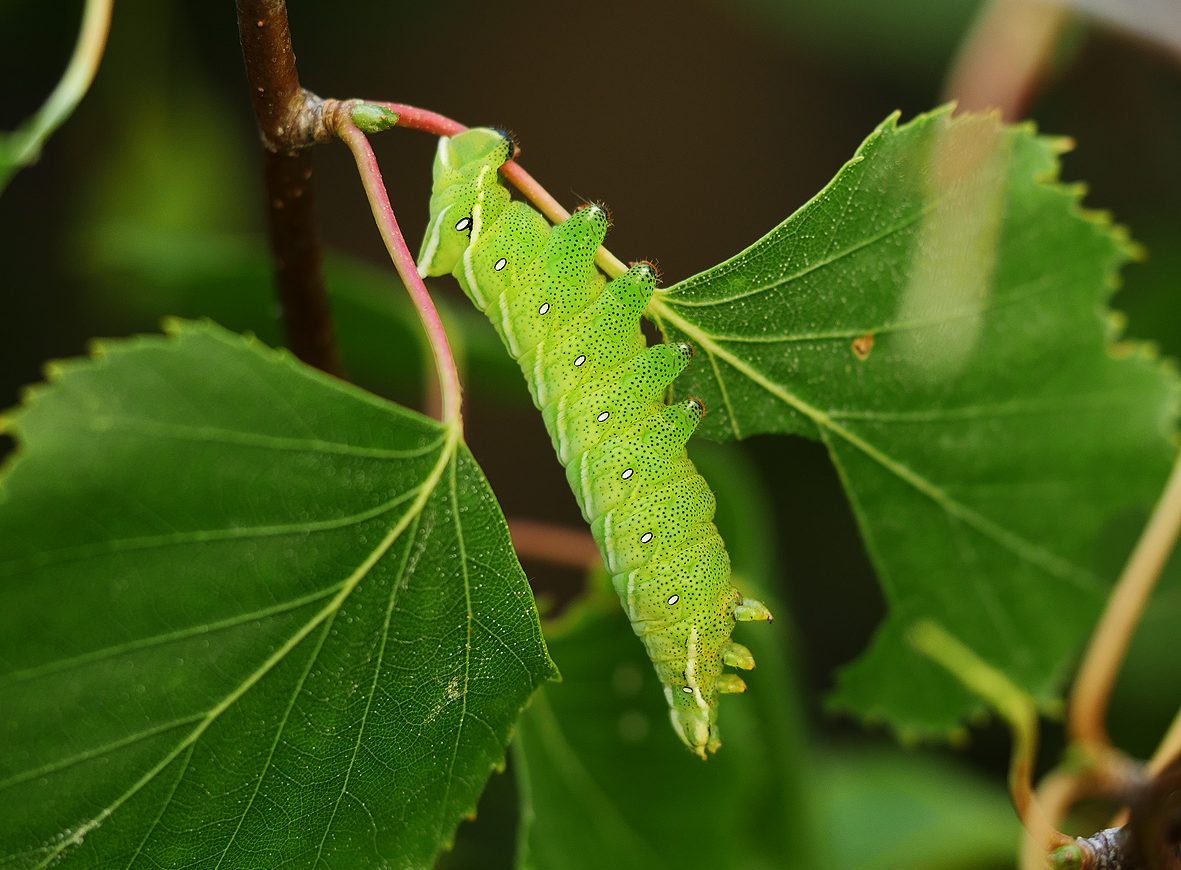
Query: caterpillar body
pixel 600 388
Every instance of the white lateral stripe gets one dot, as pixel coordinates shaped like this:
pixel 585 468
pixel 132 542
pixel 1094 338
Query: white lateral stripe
pixel 563 444
pixel 608 543
pixel 441 152
pixel 691 670
pixel 539 376
pixel 584 474
pixel 506 323
pixel 468 271
pixel 432 245
pixel 481 192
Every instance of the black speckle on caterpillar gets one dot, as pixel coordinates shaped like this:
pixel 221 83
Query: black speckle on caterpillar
pixel 601 388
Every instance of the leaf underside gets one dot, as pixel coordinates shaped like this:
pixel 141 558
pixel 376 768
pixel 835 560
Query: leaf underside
pixel 936 317
pixel 251 617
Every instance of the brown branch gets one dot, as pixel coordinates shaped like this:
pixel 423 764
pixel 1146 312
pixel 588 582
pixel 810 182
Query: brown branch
pixel 1150 841
pixel 558 545
pixel 289 119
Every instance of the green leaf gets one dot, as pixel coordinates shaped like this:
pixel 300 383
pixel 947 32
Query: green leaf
pixel 896 809
pixel 604 783
pixel 935 317
pixel 252 616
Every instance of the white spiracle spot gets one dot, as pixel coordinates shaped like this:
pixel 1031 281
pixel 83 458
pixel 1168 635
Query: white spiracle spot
pixel 464 224
pixel 602 416
pixel 500 264
pixel 544 308
pixel 627 474
pixel 579 360
pixel 673 599
pixel 646 537
pixel 686 690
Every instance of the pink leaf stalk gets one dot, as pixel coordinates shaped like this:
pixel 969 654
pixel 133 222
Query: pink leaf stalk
pixel 403 260
pixel 414 118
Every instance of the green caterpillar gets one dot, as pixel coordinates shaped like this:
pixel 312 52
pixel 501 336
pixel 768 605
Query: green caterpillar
pixel 600 388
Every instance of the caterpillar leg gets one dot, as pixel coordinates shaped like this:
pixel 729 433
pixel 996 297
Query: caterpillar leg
pixel 731 684
pixel 737 656
pixel 752 611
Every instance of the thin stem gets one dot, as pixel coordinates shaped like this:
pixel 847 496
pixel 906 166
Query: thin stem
pixel 23 145
pixel 295 248
pixel 1055 795
pixel 289 118
pixel 414 118
pixel 1012 704
pixel 424 120
pixel 1169 750
pixel 1109 643
pixel 558 545
pixel 403 260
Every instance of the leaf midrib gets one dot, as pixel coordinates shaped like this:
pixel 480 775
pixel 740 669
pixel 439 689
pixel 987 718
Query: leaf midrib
pixel 107 423
pixel 784 280
pixel 45 558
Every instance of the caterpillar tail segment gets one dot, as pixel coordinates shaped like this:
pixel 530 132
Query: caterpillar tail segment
pixel 600 389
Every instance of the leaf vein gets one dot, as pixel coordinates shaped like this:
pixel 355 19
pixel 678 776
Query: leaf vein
pixel 217 435
pixel 197 536
pixel 1049 562
pixel 669 297
pixel 423 494
pixel 163 639
pixel 467 655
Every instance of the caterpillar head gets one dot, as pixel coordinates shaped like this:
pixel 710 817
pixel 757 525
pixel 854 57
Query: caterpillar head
pixel 465 173
pixel 479 145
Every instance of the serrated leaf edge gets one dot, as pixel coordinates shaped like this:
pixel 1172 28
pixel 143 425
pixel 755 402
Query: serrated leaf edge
pixel 1115 346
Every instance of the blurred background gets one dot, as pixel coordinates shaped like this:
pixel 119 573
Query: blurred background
pixel 702 124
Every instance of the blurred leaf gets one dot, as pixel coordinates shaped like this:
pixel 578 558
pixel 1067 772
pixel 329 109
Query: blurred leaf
pixel 1152 297
pixel 145 272
pixel 253 617
pixel 178 158
pixel 872 808
pixel 885 809
pixel 935 317
pixel 604 781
